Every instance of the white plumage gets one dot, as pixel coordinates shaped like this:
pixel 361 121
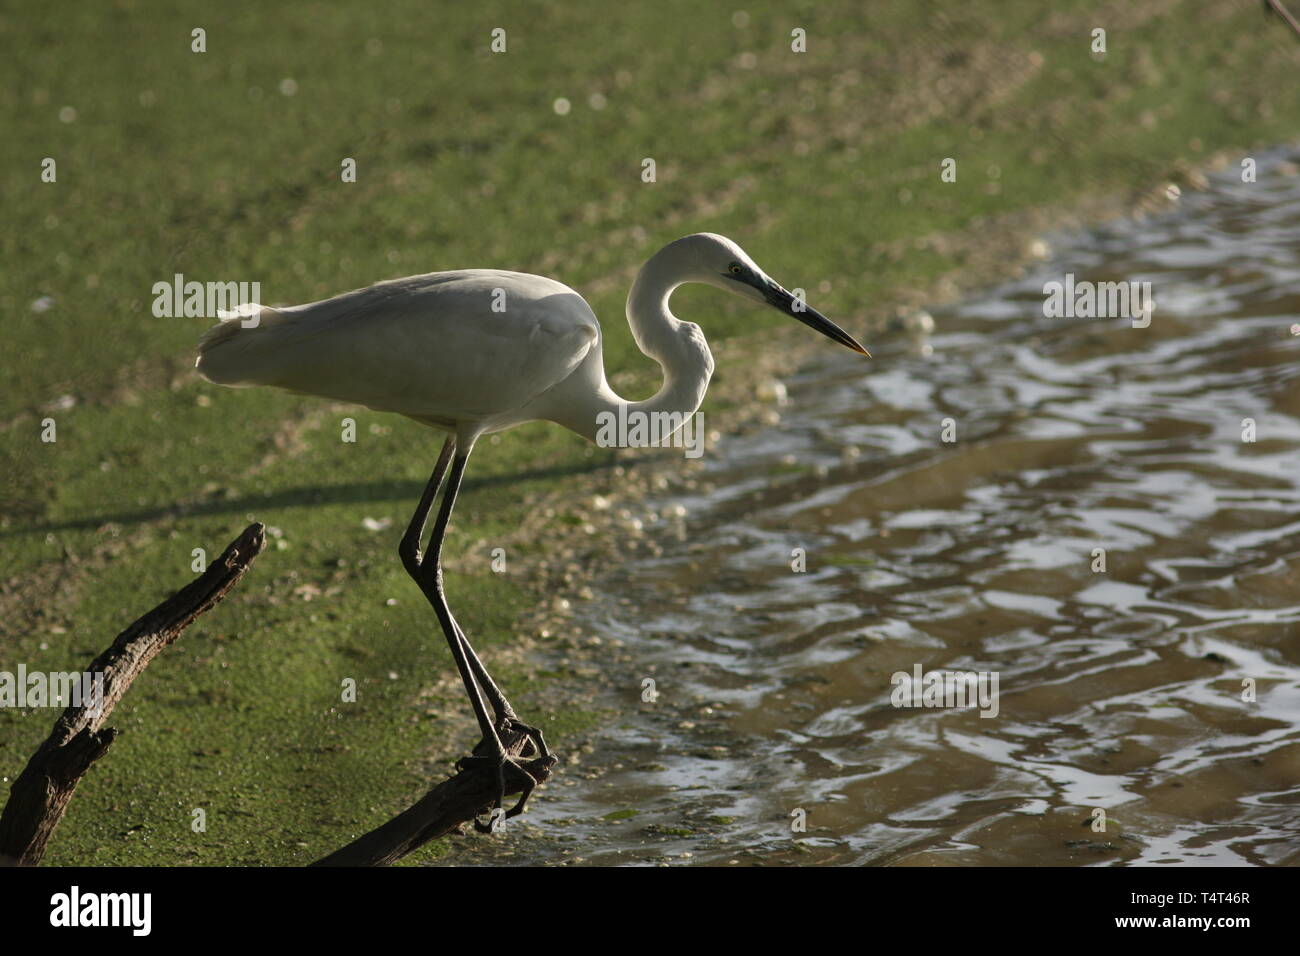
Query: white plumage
pixel 435 347
pixel 481 350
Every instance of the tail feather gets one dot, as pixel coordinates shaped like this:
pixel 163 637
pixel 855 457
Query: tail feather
pixel 233 353
pixel 218 334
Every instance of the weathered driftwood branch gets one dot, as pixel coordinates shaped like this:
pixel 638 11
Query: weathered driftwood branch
pixel 443 809
pixel 1285 14
pixel 39 796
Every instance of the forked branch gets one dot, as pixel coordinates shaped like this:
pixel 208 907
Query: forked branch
pixel 39 796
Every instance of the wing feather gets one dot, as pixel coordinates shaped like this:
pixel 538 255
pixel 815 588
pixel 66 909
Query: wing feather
pixel 446 347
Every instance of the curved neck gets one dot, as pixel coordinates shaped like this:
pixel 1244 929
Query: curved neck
pixel 679 348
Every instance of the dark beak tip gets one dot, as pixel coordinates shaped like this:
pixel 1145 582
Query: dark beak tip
pixel 785 302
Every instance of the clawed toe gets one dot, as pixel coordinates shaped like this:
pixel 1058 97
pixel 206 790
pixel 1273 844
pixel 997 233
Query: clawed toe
pixel 536 741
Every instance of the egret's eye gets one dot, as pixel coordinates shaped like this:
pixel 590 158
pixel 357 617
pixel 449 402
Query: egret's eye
pixel 735 269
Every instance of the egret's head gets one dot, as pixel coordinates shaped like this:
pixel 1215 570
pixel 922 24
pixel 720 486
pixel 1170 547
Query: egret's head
pixel 720 262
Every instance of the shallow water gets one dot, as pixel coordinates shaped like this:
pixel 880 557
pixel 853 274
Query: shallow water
pixel 1119 690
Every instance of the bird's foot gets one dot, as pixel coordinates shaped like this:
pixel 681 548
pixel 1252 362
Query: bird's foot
pixel 500 766
pixel 509 729
pixel 510 726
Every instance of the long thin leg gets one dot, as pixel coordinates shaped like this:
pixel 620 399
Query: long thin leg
pixel 426 570
pixel 430 581
pixel 411 558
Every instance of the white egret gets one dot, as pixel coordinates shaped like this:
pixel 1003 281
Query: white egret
pixel 479 351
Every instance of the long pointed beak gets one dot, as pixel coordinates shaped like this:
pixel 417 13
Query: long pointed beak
pixel 777 297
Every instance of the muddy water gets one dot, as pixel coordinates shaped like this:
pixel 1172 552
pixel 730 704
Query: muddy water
pixel 1119 690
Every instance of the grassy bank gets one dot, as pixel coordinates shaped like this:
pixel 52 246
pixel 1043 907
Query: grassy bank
pixel 225 165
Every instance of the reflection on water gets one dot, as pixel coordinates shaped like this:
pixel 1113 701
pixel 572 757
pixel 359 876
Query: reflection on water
pixel 1120 690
